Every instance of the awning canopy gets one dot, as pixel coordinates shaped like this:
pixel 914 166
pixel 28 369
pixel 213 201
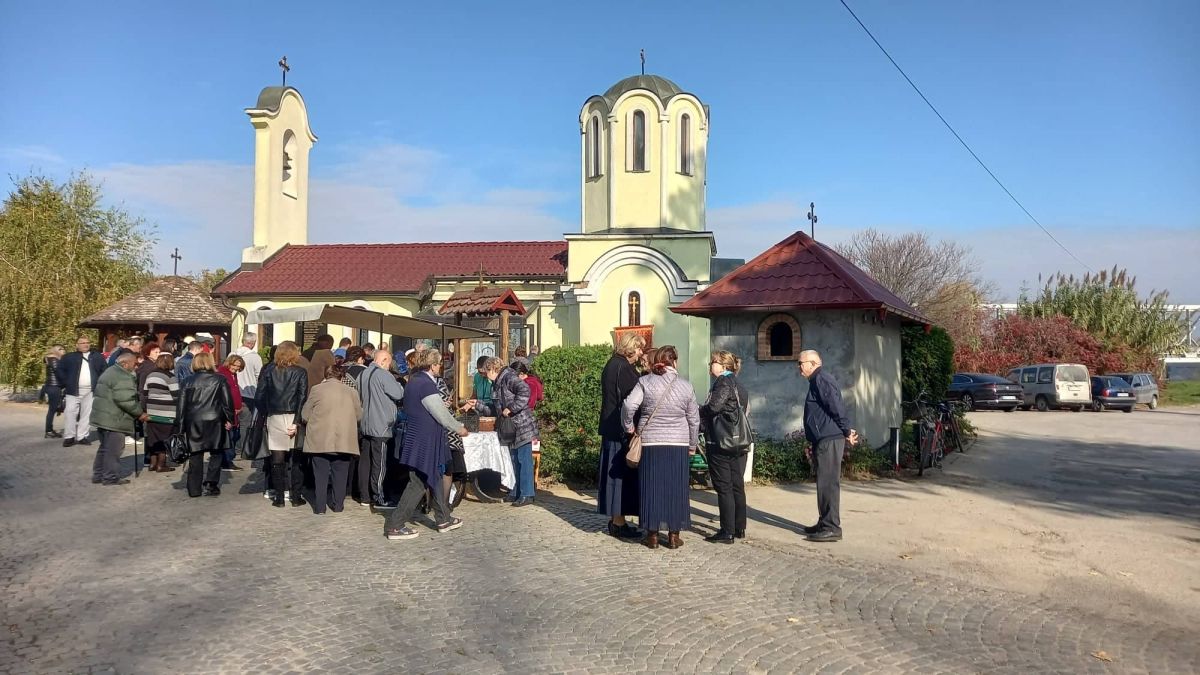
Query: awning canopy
pixel 353 317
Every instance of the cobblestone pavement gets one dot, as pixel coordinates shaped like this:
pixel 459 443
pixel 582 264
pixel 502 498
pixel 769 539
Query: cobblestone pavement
pixel 141 579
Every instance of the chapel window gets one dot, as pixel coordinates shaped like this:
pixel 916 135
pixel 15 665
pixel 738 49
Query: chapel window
pixel 633 309
pixel 778 338
pixel 594 148
pixel 685 144
pixel 266 333
pixel 639 141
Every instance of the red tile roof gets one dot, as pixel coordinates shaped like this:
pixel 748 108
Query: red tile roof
pixel 483 300
pixel 797 273
pixel 316 269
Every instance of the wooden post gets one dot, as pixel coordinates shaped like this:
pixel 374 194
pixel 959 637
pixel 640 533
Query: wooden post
pixel 462 355
pixel 504 336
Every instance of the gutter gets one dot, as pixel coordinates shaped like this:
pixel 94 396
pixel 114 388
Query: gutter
pixel 224 300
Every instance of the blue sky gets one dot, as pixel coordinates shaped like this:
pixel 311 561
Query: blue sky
pixel 459 121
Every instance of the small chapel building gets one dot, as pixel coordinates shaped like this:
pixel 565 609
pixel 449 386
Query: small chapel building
pixel 641 256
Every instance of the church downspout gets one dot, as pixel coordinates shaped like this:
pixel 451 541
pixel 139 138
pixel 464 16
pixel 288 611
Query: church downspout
pixel 224 300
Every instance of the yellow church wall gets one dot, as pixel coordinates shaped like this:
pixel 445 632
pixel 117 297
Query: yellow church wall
pixel 685 193
pixel 693 255
pixel 636 194
pixel 280 208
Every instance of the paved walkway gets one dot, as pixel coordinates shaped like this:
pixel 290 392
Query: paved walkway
pixel 139 578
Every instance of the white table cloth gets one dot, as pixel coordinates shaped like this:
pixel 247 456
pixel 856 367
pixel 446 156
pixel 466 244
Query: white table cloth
pixel 482 450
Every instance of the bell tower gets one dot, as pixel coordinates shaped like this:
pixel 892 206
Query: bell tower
pixel 282 141
pixel 644 157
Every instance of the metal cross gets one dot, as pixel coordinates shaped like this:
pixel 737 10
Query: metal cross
pixel 812 219
pixel 283 65
pixel 643 54
pixel 177 258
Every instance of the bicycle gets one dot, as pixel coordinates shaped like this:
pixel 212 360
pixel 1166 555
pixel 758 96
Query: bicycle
pixel 939 430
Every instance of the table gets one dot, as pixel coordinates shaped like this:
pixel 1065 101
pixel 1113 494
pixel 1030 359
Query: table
pixel 482 450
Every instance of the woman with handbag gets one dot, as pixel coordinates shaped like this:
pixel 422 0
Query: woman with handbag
pixel 160 398
pixel 727 442
pixel 515 425
pixel 669 431
pixel 204 418
pixel 282 392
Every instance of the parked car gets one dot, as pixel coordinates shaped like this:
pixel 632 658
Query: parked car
pixel 1110 391
pixel 985 392
pixel 1145 387
pixel 1054 385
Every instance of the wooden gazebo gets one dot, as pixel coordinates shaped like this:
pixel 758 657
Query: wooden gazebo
pixel 483 301
pixel 167 306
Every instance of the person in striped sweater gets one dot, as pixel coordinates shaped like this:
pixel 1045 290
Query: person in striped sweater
pixel 160 392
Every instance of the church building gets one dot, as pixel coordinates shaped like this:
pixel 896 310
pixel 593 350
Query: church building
pixel 642 247
pixel 642 260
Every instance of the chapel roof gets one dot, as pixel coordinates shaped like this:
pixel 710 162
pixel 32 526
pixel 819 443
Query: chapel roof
pixel 271 97
pixel 483 300
pixel 166 300
pixel 657 84
pixel 325 269
pixel 797 273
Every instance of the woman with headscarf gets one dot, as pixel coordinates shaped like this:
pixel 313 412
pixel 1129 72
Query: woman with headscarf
pixel 52 389
pixel 669 428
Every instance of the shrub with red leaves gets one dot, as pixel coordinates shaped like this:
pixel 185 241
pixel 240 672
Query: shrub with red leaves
pixel 1013 341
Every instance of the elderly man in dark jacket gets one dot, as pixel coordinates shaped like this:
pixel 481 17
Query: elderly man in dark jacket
pixel 114 410
pixel 827 428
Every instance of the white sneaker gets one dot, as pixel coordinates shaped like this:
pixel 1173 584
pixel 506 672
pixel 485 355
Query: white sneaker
pixel 129 440
pixel 269 494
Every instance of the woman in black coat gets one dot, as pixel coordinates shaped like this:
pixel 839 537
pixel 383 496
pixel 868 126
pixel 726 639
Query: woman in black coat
pixel 618 496
pixel 726 466
pixel 52 389
pixel 204 417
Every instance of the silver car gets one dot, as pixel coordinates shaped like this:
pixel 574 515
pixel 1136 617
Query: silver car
pixel 1145 388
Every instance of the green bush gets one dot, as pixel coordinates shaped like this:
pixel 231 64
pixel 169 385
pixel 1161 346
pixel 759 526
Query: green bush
pixel 784 460
pixel 570 414
pixel 926 362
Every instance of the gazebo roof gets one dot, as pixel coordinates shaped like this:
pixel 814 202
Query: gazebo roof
pixel 483 300
pixel 164 301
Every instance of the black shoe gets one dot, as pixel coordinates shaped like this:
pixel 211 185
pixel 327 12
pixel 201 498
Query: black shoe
pixel 720 538
pixel 739 534
pixel 86 441
pixel 385 504
pixel 96 481
pixel 625 531
pixel 68 442
pixel 278 503
pixel 825 536
pixel 523 501
pixel 232 467
pixel 812 529
pixel 299 501
pixel 53 434
pixel 122 481
pixel 212 490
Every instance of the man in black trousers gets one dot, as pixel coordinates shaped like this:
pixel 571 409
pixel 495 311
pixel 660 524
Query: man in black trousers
pixel 827 428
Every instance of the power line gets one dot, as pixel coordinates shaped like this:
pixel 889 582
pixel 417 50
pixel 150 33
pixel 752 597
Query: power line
pixel 960 139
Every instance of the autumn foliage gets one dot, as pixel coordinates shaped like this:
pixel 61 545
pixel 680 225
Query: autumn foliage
pixel 1015 340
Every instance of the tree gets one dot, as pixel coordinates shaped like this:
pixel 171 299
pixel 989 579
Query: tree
pixel 208 279
pixel 936 277
pixel 1016 340
pixel 926 362
pixel 1107 306
pixel 63 256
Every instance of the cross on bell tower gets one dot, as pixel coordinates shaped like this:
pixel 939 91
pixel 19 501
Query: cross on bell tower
pixel 283 66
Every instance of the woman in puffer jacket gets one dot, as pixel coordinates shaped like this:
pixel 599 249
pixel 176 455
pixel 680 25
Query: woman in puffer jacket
pixel 510 399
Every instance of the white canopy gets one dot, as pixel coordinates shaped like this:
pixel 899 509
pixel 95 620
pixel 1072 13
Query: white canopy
pixel 353 317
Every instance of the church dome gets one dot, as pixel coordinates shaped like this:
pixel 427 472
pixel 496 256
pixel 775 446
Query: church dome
pixel 660 86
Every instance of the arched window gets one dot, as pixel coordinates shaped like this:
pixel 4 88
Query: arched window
pixel 778 338
pixel 639 141
pixel 633 309
pixel 594 148
pixel 781 339
pixel 685 144
pixel 289 164
pixel 266 333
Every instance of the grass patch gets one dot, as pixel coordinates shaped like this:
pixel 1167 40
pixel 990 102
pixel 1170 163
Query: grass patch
pixel 1182 392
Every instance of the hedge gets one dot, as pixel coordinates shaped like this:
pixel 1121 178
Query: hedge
pixel 569 416
pixel 926 362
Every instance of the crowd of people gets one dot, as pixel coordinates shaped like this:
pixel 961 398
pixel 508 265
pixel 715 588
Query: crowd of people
pixel 356 422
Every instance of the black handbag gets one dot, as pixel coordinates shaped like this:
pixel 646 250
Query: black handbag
pixel 252 445
pixel 506 430
pixel 733 431
pixel 177 448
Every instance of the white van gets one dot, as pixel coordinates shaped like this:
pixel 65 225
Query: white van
pixel 1054 385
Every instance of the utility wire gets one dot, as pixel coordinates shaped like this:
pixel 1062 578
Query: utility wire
pixel 960 139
